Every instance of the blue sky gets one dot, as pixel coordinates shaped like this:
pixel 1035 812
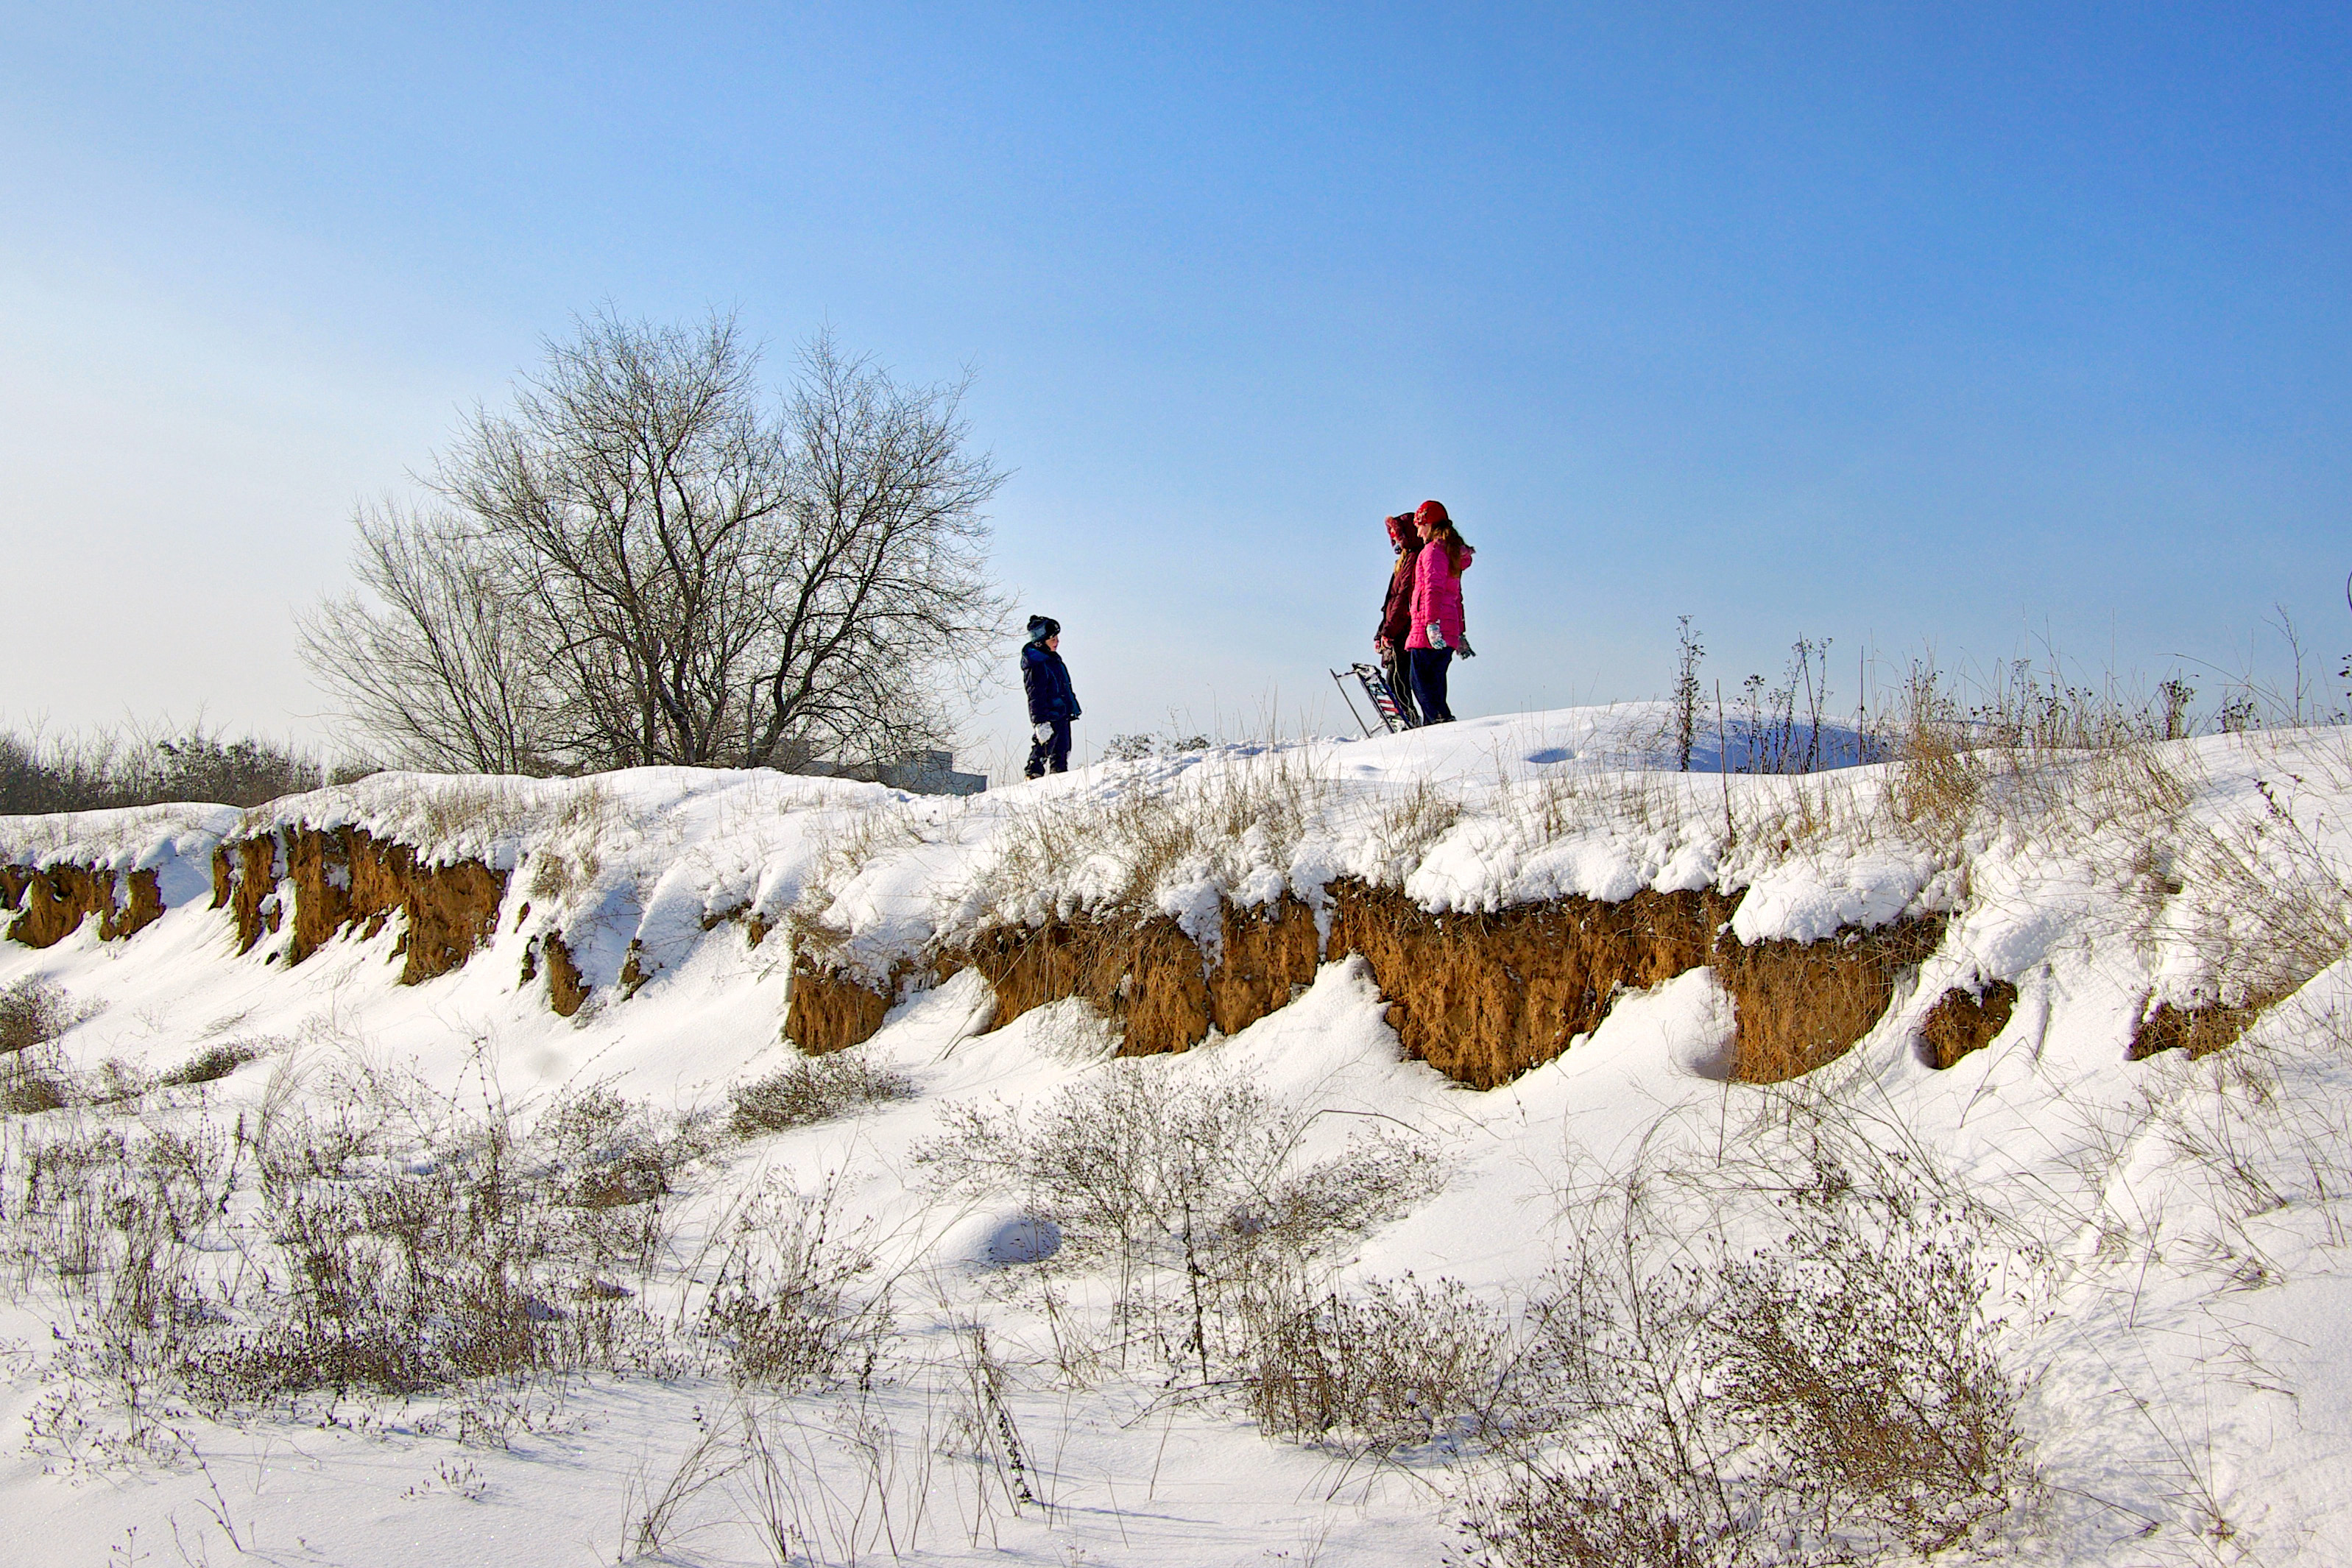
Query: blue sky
pixel 1980 328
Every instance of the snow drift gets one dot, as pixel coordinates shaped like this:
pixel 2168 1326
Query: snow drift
pixel 1983 964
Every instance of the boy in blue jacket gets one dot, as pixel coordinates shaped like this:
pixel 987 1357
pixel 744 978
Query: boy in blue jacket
pixel 1052 702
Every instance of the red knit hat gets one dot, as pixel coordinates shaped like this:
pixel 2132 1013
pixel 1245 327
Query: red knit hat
pixel 1431 511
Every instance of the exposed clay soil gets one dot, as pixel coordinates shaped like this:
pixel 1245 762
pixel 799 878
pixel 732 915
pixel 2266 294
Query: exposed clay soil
pixel 1802 1004
pixel 343 878
pixel 51 904
pixel 1484 997
pixel 1963 1021
pixel 1480 997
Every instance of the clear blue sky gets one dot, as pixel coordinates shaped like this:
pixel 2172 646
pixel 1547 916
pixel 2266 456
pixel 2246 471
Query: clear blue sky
pixel 1972 326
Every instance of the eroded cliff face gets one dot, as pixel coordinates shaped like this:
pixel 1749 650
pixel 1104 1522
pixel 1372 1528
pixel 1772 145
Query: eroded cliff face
pixel 50 903
pixel 341 878
pixel 1480 997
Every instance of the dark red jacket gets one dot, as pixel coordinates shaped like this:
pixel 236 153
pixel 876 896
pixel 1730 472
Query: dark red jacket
pixel 1396 611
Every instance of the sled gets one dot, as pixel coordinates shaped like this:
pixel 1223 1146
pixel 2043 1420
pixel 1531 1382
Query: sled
pixel 1376 687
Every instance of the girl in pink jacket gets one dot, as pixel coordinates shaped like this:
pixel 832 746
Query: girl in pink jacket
pixel 1437 631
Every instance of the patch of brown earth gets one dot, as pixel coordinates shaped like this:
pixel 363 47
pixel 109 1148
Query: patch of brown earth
pixel 1802 1004
pixel 345 878
pixel 53 901
pixel 566 991
pixel 2200 1031
pixel 829 1011
pixel 1148 976
pixel 1270 954
pixel 1480 997
pixel 1962 1020
pixel 245 881
pixel 1484 997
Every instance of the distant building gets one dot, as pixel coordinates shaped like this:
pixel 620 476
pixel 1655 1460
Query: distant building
pixel 932 772
pixel 923 773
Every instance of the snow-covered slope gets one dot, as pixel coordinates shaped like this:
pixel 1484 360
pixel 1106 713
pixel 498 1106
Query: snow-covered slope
pixel 2169 1234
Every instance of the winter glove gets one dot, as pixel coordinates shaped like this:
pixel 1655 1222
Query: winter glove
pixel 1461 646
pixel 1041 733
pixel 1436 637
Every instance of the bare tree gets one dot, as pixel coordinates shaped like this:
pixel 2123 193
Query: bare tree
pixel 444 672
pixel 648 561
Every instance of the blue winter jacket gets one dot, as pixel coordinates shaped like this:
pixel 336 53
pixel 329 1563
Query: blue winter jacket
pixel 1047 679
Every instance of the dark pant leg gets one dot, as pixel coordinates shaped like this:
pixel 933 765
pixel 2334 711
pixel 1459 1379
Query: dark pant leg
pixel 1396 668
pixel 1037 753
pixel 1057 759
pixel 1429 683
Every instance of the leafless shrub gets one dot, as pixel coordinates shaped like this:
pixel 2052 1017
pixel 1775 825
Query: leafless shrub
pixel 1833 1396
pixel 609 1151
pixel 1188 1191
pixel 26 1089
pixel 34 1011
pixel 1860 1347
pixel 147 765
pixel 212 1063
pixel 398 1248
pixel 812 1089
pixel 1396 1365
pixel 781 1306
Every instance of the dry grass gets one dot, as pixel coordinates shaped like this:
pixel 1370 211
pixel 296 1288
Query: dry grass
pixel 1404 826
pixel 384 1243
pixel 33 1012
pixel 1127 841
pixel 567 855
pixel 1398 1364
pixel 1187 1195
pixel 1836 1395
pixel 782 1307
pixel 812 1089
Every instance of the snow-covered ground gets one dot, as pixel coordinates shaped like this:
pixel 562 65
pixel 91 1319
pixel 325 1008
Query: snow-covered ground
pixel 2167 1239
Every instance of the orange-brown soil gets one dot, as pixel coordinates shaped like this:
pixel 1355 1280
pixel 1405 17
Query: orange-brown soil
pixel 1962 1021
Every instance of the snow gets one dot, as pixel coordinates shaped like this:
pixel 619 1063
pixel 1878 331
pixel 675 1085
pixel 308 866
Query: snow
pixel 2188 1352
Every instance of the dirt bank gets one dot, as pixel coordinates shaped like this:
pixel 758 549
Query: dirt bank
pixel 1480 997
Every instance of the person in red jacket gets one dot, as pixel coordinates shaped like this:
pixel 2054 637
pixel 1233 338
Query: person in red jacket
pixel 1396 616
pixel 1437 632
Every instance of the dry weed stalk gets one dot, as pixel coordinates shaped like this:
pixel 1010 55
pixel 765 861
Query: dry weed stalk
pixel 1112 851
pixel 384 1243
pixel 812 1089
pixel 1835 1393
pixel 1189 1194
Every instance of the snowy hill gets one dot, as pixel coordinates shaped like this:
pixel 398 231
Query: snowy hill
pixel 419 1170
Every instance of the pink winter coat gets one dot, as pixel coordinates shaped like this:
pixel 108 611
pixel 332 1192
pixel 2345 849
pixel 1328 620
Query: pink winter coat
pixel 1437 595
